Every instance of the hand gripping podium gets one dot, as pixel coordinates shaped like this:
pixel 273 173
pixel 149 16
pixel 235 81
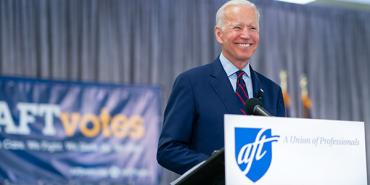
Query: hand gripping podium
pixel 210 172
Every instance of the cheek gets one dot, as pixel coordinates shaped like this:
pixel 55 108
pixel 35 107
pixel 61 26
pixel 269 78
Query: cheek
pixel 231 36
pixel 256 37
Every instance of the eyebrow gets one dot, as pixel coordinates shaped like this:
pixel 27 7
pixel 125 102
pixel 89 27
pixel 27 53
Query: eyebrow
pixel 242 24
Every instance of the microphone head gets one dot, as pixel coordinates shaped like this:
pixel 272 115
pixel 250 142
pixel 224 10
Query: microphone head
pixel 250 104
pixel 260 94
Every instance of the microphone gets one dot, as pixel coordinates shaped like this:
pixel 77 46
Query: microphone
pixel 259 95
pixel 254 106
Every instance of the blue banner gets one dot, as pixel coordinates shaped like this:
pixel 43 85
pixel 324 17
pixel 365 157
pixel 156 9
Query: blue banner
pixel 56 132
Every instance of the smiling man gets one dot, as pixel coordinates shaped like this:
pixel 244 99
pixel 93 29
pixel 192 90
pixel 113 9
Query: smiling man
pixel 193 120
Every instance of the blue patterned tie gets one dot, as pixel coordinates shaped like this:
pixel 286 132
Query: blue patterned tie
pixel 241 89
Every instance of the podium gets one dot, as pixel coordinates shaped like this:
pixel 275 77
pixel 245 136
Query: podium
pixel 210 172
pixel 289 151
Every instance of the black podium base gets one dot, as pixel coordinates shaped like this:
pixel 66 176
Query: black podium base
pixel 211 172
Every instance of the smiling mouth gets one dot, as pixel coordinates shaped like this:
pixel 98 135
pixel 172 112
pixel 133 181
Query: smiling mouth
pixel 244 45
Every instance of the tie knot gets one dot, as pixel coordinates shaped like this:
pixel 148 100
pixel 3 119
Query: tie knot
pixel 240 74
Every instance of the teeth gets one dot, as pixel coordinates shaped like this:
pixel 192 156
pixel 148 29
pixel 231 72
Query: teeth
pixel 244 45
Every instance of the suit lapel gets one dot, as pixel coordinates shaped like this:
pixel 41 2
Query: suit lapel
pixel 222 86
pixel 256 83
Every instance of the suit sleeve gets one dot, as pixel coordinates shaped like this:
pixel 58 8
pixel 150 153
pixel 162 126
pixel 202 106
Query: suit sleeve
pixel 280 105
pixel 173 147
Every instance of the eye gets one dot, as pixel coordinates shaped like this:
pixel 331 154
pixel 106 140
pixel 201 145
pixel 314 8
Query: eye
pixel 253 28
pixel 237 28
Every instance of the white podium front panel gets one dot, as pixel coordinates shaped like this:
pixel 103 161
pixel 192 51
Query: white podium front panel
pixel 289 151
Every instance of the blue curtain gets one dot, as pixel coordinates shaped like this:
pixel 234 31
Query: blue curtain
pixel 151 42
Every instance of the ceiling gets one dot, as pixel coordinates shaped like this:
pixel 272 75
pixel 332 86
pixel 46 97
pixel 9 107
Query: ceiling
pixel 351 4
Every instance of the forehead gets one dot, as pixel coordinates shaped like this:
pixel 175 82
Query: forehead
pixel 240 14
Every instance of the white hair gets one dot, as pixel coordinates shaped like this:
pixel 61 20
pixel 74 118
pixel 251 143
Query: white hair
pixel 220 12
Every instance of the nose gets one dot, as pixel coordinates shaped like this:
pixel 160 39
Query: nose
pixel 245 34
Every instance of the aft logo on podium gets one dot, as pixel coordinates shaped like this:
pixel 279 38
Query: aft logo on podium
pixel 253 151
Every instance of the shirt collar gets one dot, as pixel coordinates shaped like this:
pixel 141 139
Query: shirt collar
pixel 230 69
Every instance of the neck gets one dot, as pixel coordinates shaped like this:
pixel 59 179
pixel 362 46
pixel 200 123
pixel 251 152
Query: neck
pixel 239 65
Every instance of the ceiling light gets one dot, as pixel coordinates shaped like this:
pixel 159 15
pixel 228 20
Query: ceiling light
pixel 298 1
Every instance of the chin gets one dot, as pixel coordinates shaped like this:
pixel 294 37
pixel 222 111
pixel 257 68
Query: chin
pixel 245 57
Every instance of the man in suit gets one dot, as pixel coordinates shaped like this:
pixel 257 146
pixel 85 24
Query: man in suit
pixel 193 120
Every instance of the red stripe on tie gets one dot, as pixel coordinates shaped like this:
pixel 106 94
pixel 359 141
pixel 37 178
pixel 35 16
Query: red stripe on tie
pixel 241 90
pixel 241 99
pixel 245 94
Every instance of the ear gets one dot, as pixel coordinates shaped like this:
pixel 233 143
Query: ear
pixel 218 35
